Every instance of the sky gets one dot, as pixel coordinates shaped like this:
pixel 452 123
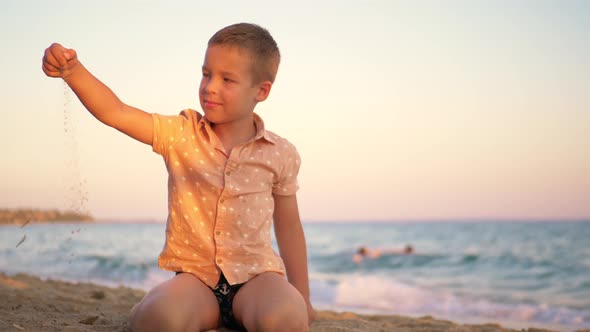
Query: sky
pixel 400 110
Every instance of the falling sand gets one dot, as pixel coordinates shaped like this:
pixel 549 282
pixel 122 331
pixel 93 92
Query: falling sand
pixel 76 193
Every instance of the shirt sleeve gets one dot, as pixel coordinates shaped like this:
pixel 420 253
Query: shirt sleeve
pixel 168 129
pixel 288 184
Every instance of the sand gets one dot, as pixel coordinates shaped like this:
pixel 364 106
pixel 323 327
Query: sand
pixel 28 303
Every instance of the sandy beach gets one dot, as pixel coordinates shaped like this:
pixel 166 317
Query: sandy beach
pixel 31 304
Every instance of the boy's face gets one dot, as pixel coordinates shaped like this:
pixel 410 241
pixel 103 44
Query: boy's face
pixel 227 92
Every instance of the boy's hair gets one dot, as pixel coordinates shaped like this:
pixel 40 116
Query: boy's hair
pixel 258 42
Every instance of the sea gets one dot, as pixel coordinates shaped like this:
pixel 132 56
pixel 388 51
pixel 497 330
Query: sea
pixel 519 274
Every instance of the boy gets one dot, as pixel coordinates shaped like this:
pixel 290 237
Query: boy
pixel 228 177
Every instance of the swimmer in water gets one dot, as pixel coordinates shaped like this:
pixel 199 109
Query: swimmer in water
pixel 365 252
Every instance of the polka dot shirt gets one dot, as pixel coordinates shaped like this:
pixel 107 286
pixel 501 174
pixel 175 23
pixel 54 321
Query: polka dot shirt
pixel 220 206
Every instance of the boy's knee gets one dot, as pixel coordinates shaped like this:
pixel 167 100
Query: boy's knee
pixel 288 316
pixel 154 316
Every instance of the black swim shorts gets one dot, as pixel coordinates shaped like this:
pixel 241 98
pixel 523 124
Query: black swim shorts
pixel 224 292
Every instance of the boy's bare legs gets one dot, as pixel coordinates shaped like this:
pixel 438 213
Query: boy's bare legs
pixel 183 303
pixel 269 303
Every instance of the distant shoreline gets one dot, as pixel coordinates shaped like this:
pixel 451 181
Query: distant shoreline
pixel 46 216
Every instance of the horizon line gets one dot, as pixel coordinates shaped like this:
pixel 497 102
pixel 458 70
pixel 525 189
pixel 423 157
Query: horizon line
pixel 393 220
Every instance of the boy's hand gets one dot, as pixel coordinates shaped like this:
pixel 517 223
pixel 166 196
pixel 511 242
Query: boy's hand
pixel 311 313
pixel 59 61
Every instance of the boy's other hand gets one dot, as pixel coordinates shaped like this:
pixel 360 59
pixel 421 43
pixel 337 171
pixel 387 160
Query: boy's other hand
pixel 311 313
pixel 59 61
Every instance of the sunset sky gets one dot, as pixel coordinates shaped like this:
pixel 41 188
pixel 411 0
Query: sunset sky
pixel 401 110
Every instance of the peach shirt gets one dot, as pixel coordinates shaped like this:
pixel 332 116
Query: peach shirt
pixel 220 207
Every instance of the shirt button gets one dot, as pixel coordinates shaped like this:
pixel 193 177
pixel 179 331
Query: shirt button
pixel 219 261
pixel 228 173
pixel 222 201
pixel 217 233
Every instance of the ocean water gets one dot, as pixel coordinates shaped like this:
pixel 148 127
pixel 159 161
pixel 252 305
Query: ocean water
pixel 520 274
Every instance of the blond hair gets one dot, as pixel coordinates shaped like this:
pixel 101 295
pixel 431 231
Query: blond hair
pixel 258 42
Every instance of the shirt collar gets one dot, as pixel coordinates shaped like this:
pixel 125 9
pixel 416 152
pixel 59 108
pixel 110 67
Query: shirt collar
pixel 258 123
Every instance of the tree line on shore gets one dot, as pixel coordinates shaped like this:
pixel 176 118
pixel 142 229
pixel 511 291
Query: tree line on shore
pixel 22 216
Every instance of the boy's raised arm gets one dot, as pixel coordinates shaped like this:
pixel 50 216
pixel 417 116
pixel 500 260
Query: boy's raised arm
pixel 98 99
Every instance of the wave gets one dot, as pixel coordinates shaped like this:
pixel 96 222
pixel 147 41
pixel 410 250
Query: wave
pixel 116 267
pixel 381 295
pixel 341 261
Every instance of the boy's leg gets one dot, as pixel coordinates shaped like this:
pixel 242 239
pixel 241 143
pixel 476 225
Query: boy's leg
pixel 183 303
pixel 269 302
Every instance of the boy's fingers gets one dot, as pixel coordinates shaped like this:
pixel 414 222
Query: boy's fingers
pixel 49 72
pixel 50 58
pixel 70 54
pixel 49 67
pixel 63 62
pixel 57 54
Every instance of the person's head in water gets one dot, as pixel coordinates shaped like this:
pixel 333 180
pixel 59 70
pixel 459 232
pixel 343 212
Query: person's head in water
pixel 408 249
pixel 363 251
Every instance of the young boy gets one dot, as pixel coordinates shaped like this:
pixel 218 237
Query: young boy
pixel 228 178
